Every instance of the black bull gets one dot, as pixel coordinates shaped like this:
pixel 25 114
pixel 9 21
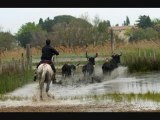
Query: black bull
pixel 110 65
pixel 68 70
pixel 88 69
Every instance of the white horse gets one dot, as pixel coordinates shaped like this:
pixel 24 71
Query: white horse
pixel 44 75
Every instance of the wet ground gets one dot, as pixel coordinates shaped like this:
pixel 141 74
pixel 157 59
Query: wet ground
pixel 28 96
pixel 78 108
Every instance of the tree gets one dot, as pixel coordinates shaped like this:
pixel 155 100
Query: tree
pixel 108 23
pixel 156 24
pixel 127 21
pixel 117 25
pixel 76 32
pixel 103 26
pixel 96 20
pixel 38 37
pixel 47 24
pixel 141 34
pixel 124 24
pixel 156 21
pixel 41 22
pixel 144 22
pixel 85 16
pixel 24 34
pixel 7 40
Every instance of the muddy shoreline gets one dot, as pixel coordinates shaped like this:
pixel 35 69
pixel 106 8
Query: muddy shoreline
pixel 77 108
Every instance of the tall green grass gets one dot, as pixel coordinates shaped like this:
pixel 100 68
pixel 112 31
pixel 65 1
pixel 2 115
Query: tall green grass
pixel 144 60
pixel 120 97
pixel 10 81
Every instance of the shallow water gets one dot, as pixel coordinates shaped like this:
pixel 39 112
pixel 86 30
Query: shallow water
pixel 119 81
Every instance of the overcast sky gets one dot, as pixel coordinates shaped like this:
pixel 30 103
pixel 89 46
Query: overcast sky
pixel 11 19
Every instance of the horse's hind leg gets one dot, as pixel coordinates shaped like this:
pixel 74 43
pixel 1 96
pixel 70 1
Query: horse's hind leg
pixel 47 89
pixel 41 89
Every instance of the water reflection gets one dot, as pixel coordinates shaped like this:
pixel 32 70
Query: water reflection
pixel 137 84
pixel 121 82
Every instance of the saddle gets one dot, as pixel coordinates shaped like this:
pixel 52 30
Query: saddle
pixel 46 61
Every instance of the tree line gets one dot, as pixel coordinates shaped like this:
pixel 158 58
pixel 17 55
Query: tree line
pixel 147 29
pixel 70 31
pixel 63 30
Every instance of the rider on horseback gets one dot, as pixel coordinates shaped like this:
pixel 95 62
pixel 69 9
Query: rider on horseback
pixel 47 53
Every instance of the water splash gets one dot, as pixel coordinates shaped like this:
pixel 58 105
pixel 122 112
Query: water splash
pixel 119 81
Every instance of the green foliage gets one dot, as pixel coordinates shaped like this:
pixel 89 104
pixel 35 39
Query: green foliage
pixel 63 30
pixel 157 27
pixel 63 19
pixel 7 40
pixel 156 21
pixel 38 38
pixel 73 33
pixel 124 23
pixel 49 23
pixel 24 34
pixel 147 29
pixel 127 21
pixel 10 81
pixel 156 24
pixel 144 22
pixel 128 32
pixel 142 63
pixel 103 26
pixel 140 34
pixel 121 97
pixel 46 24
pixel 117 25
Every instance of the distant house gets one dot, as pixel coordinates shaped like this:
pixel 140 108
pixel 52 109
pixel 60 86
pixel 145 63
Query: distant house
pixel 122 28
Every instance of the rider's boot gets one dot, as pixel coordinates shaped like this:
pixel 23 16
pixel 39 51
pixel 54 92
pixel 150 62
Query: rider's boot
pixel 35 76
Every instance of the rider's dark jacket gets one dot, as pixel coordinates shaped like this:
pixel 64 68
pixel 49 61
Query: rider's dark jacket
pixel 48 52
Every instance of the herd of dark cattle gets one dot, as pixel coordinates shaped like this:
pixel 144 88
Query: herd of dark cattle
pixel 110 64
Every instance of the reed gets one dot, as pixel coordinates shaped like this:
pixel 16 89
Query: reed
pixel 143 56
pixel 10 81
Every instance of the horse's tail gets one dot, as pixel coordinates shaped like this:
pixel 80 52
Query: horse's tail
pixel 44 72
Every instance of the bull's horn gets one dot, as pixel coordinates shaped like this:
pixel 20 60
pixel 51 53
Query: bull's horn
pixel 87 55
pixel 96 55
pixel 78 64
